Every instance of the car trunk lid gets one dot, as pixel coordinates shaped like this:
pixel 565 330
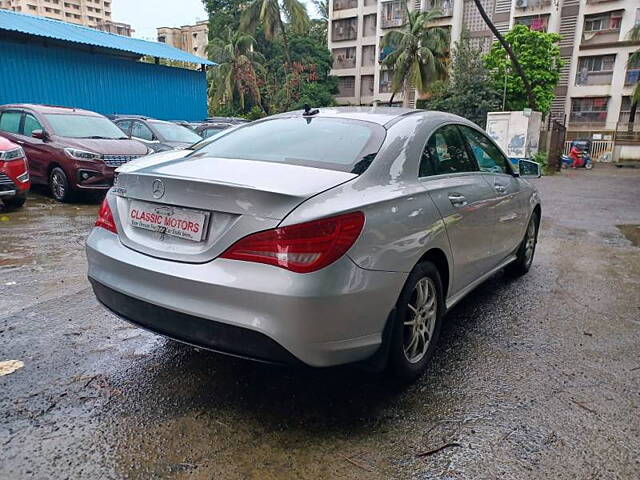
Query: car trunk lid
pixel 232 197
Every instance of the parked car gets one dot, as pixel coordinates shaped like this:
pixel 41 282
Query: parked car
pixel 233 120
pixel 69 149
pixel 157 134
pixel 337 236
pixel 206 130
pixel 14 174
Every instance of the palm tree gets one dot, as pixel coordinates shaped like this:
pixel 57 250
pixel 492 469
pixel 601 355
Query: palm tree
pixel 514 60
pixel 270 13
pixel 634 60
pixel 418 56
pixel 235 74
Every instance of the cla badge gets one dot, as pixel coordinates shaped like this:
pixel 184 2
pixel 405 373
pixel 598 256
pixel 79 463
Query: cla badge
pixel 157 188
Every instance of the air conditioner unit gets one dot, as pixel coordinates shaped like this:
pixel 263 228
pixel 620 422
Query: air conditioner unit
pixel 522 3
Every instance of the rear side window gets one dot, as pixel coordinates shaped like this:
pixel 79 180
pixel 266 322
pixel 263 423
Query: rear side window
pixel 30 124
pixel 330 143
pixel 140 130
pixel 447 153
pixel 488 156
pixel 10 122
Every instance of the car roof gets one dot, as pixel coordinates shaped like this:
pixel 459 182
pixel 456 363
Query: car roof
pixel 385 116
pixel 51 109
pixel 379 115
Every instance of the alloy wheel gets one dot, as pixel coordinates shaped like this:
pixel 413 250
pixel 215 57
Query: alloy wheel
pixel 530 243
pixel 57 185
pixel 420 321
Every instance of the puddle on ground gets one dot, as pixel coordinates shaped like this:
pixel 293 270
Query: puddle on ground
pixel 631 233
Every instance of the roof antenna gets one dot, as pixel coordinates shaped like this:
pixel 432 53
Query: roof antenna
pixel 308 112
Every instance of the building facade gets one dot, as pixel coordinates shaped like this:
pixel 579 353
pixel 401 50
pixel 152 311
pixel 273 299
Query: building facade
pixel 90 13
pixel 596 82
pixel 190 38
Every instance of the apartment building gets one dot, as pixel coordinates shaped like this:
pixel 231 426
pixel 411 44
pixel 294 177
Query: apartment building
pixel 90 13
pixel 190 38
pixel 596 83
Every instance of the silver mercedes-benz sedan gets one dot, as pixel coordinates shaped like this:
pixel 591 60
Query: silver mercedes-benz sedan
pixel 319 237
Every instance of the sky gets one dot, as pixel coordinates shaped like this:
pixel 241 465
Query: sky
pixel 145 15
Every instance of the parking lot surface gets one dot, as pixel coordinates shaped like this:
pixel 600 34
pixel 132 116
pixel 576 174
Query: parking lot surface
pixel 534 378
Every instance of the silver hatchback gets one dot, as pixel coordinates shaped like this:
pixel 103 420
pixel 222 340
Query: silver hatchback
pixel 320 238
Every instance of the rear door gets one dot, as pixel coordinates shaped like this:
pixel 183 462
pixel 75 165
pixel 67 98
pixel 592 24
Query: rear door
pixel 463 199
pixel 507 202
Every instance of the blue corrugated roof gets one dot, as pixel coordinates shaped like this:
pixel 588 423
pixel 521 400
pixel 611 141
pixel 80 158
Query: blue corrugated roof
pixel 68 32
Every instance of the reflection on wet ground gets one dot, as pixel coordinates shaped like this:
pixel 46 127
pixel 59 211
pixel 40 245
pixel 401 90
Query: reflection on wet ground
pixel 533 378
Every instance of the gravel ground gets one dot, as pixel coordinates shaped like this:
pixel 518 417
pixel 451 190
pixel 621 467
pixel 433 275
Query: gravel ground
pixel 533 378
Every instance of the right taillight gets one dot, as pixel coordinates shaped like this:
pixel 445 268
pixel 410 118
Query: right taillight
pixel 105 217
pixel 301 248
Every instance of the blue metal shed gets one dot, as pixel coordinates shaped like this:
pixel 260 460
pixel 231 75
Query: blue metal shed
pixel 57 63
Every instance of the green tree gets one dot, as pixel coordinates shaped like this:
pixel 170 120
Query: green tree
pixel 308 79
pixel 236 74
pixel 517 67
pixel 418 56
pixel 634 61
pixel 271 16
pixel 539 55
pixel 468 92
pixel 223 14
pixel 319 27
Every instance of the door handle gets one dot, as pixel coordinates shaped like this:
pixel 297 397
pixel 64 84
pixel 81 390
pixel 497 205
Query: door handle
pixel 457 200
pixel 20 142
pixel 500 188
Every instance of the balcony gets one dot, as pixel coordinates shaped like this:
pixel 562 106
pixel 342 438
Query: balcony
pixel 344 58
pixel 538 23
pixel 594 78
pixel 368 55
pixel 346 29
pixel 366 86
pixel 601 28
pixel 344 4
pixel 531 4
pixel 393 14
pixel 590 110
pixel 632 77
pixel 346 86
pixel 369 25
pixel 445 7
pixel 385 81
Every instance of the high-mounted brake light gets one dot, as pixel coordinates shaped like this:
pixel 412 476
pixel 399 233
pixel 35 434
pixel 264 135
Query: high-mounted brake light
pixel 301 248
pixel 105 217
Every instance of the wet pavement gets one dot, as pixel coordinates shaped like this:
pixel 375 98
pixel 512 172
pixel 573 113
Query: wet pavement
pixel 537 377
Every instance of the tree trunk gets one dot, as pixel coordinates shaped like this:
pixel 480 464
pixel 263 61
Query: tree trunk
pixel 285 41
pixel 405 98
pixel 516 65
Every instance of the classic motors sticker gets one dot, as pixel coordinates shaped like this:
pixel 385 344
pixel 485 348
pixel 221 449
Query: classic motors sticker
pixel 167 220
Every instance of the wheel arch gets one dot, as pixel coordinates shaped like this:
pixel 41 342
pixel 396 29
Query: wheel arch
pixel 439 259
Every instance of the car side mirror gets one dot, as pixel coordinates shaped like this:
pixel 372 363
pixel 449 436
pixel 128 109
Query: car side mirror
pixel 39 134
pixel 529 169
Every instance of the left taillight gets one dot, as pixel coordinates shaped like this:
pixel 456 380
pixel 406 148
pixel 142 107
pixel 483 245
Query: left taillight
pixel 105 217
pixel 301 248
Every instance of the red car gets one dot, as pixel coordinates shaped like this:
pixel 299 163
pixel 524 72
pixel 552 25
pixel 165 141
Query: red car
pixel 14 174
pixel 68 149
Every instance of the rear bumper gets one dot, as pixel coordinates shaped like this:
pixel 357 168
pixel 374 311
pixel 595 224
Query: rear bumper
pixel 197 331
pixel 330 317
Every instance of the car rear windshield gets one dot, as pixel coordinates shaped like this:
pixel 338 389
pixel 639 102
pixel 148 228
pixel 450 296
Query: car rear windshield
pixel 83 126
pixel 335 144
pixel 171 132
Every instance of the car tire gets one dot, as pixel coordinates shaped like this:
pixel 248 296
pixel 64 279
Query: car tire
pixel 417 322
pixel 15 202
pixel 59 185
pixel 527 248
